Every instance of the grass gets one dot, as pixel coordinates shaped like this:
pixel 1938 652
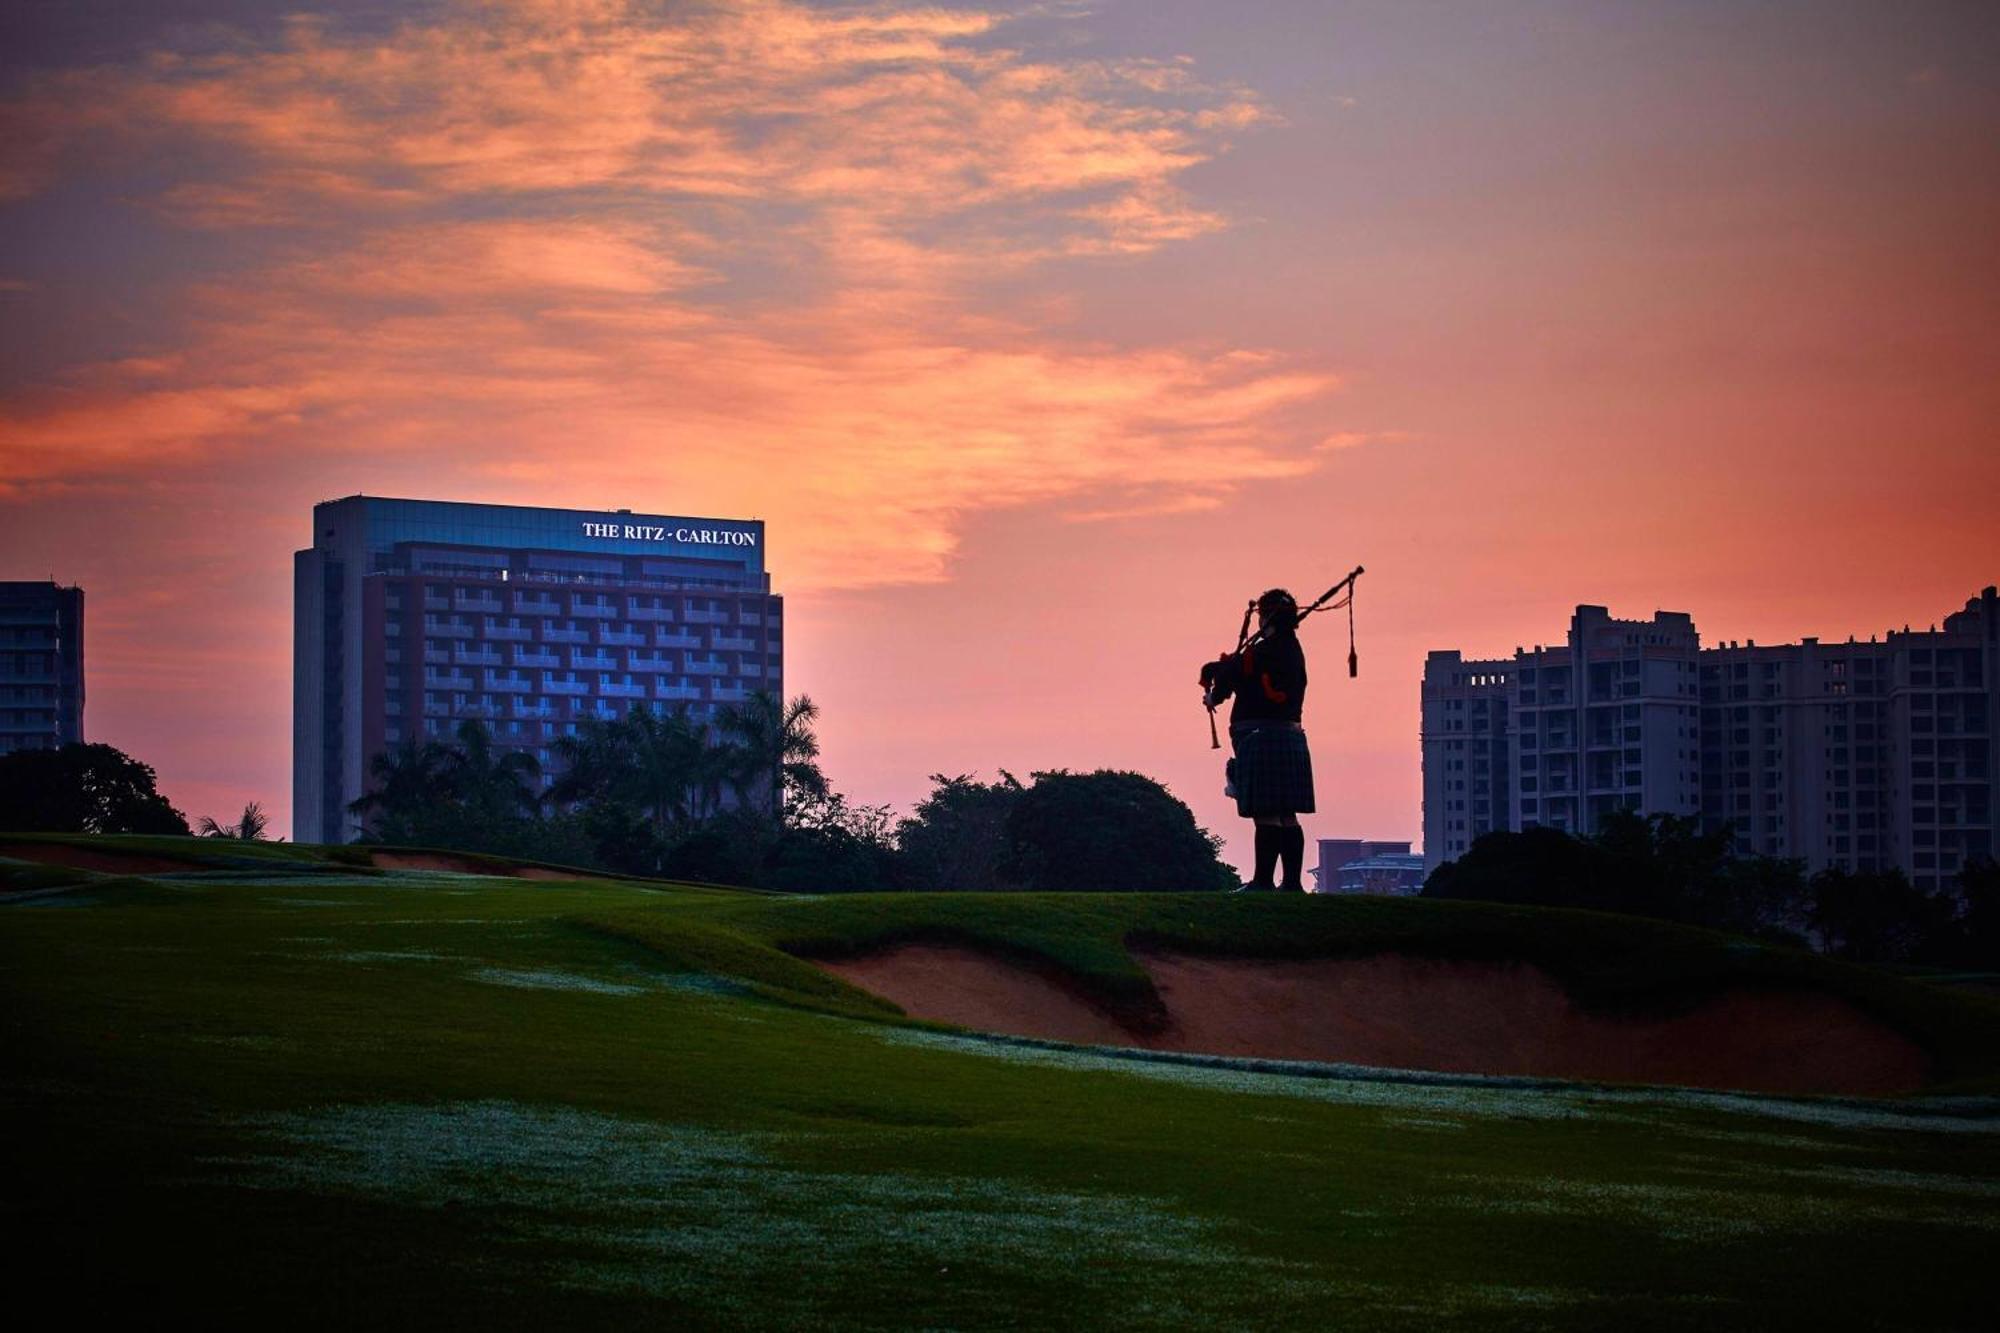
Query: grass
pixel 1608 964
pixel 326 1097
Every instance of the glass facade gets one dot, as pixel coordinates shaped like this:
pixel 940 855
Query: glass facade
pixel 413 616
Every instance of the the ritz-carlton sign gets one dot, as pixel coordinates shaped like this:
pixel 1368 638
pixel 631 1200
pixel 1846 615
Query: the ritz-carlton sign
pixel 640 532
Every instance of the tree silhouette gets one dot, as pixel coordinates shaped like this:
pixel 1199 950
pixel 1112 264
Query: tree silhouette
pixel 778 750
pixel 82 789
pixel 404 784
pixel 250 828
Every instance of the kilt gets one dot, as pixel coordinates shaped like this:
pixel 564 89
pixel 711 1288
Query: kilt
pixel 1274 774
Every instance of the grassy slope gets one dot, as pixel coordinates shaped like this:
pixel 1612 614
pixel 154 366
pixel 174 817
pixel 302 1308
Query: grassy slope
pixel 1607 963
pixel 410 1099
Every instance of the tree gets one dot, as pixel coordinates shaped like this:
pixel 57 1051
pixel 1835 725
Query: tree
pixel 1875 916
pixel 404 785
pixel 1541 867
pixel 493 787
pixel 1978 926
pixel 82 789
pixel 955 838
pixel 1660 866
pixel 250 828
pixel 1108 830
pixel 467 795
pixel 778 749
pixel 649 760
pixel 831 846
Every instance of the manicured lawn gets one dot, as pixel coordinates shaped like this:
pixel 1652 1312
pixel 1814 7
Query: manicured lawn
pixel 312 1097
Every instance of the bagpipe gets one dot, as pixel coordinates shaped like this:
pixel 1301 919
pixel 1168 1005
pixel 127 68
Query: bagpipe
pixel 1339 595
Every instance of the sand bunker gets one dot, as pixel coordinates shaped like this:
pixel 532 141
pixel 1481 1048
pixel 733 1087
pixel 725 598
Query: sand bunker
pixel 458 865
pixel 1414 1013
pixel 81 858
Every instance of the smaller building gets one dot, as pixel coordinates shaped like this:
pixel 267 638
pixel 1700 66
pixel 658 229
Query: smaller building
pixel 41 666
pixel 1363 865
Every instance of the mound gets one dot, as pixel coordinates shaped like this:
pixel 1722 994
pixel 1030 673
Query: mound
pixel 1396 1011
pixel 90 858
pixel 458 865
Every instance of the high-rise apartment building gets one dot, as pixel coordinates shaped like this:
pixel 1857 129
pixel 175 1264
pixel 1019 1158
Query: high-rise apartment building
pixel 1562 735
pixel 1858 755
pixel 41 666
pixel 413 615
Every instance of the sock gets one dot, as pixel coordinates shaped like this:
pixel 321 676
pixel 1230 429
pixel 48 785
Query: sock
pixel 1268 839
pixel 1293 849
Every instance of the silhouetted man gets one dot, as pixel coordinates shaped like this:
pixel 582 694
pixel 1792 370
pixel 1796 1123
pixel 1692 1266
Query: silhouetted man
pixel 1272 770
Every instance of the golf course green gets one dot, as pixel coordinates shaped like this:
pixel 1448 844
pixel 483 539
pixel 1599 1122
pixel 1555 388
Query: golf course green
pixel 292 1085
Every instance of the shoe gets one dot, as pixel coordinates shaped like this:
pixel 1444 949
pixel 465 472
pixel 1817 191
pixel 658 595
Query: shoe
pixel 1293 887
pixel 1252 886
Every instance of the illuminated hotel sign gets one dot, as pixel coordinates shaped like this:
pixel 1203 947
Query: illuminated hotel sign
pixel 640 532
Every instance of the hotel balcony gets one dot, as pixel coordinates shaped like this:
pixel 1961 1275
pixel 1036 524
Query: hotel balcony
pixel 508 633
pixel 634 662
pixel 437 603
pixel 447 680
pixel 622 691
pixel 593 661
pixel 550 685
pixel 483 601
pixel 677 693
pixel 726 695
pixel 579 609
pixel 732 644
pixel 707 669
pixel 550 634
pixel 667 639
pixel 508 684
pixel 622 638
pixel 653 613
pixel 536 604
pixel 531 708
pixel 705 617
pixel 475 657
pixel 445 630
pixel 749 618
pixel 534 656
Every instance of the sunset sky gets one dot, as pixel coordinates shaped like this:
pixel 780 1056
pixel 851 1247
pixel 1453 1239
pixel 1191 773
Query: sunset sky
pixel 1040 337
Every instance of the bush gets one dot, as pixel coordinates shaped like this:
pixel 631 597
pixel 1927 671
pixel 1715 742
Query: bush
pixel 1107 831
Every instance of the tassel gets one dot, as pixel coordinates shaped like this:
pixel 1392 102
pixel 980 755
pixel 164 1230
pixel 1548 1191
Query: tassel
pixel 1353 662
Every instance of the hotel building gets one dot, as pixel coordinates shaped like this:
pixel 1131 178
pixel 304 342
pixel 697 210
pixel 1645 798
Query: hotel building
pixel 41 666
pixel 1859 756
pixel 410 616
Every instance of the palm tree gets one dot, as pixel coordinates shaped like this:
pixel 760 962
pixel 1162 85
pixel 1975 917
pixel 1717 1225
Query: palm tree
pixel 250 828
pixel 492 785
pixel 649 759
pixel 778 746
pixel 403 784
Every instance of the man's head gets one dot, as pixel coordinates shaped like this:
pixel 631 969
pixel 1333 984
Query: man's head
pixel 1277 610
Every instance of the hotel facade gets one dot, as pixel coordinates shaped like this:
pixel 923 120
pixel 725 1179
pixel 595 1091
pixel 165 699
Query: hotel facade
pixel 1857 756
pixel 411 616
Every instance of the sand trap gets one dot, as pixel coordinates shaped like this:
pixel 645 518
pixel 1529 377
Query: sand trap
pixel 1413 1013
pixel 81 858
pixel 458 865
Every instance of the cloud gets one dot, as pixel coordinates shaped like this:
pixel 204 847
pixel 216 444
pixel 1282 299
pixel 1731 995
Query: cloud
pixel 760 258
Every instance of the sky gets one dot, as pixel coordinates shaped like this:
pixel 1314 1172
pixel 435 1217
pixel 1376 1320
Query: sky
pixel 1041 337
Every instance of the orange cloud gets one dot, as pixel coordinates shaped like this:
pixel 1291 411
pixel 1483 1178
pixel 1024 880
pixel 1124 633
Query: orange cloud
pixel 756 259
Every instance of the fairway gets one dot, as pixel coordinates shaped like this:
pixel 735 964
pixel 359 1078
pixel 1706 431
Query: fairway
pixel 316 1093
